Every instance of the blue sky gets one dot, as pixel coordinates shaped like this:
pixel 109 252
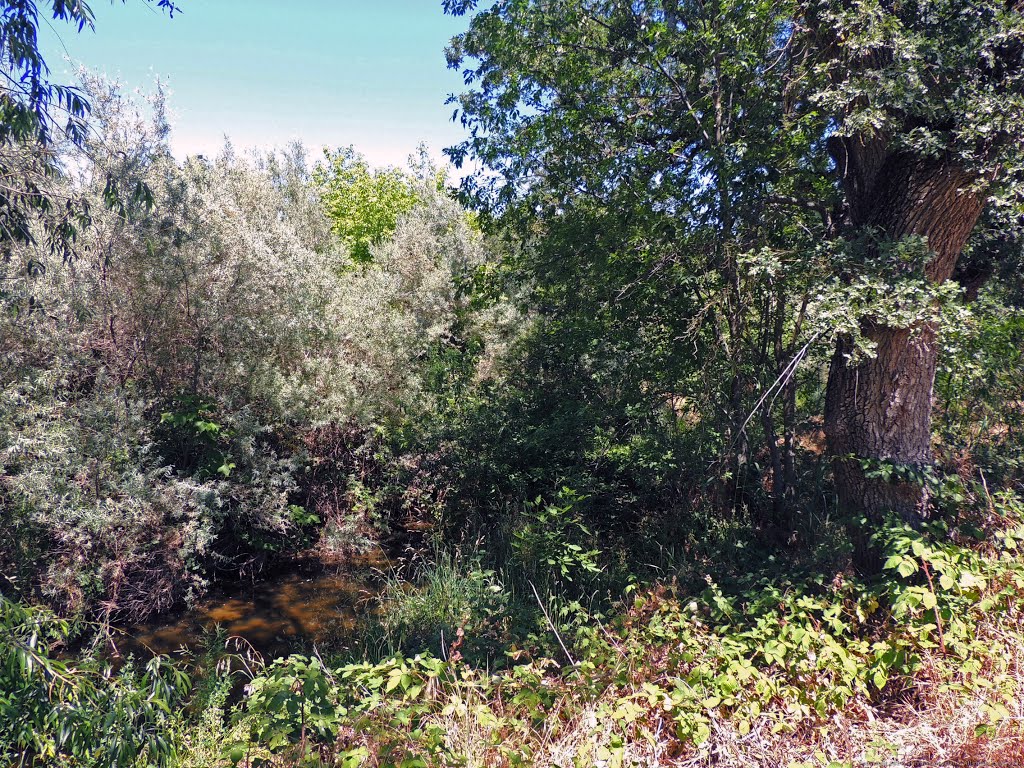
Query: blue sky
pixel 265 71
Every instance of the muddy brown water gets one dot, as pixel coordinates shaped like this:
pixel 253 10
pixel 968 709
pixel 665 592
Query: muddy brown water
pixel 277 615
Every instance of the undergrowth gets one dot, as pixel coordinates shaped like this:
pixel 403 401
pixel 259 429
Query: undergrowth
pixel 810 669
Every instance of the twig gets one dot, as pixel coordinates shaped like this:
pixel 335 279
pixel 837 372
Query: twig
pixel 551 624
pixel 782 379
pixel 938 618
pixel 988 496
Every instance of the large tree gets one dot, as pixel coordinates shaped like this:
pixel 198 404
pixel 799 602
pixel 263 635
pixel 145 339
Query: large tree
pixel 927 101
pixel 868 137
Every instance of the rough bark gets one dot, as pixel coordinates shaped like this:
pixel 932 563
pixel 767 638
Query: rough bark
pixel 879 409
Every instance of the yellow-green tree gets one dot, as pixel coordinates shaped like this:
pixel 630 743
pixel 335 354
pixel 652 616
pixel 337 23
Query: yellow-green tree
pixel 363 203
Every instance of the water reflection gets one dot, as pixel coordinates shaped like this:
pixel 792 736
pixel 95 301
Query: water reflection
pixel 273 615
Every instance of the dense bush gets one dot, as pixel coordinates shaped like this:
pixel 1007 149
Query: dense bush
pixel 81 713
pixel 156 388
pixel 94 519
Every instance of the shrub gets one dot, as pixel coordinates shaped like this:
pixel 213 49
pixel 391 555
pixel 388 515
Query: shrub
pixel 82 713
pixel 100 521
pixel 452 602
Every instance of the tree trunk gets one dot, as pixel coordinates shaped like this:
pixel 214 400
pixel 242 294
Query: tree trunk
pixel 878 411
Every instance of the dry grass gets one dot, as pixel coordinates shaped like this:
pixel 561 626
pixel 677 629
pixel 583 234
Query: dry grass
pixel 948 718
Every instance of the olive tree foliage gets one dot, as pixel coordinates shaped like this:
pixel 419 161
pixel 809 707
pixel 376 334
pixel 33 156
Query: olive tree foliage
pixel 230 288
pixel 412 301
pixel 755 182
pixel 301 197
pixel 185 298
pixel 211 293
pixel 36 114
pixel 154 389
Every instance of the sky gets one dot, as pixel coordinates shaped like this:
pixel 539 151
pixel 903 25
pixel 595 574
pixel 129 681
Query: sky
pixel 263 72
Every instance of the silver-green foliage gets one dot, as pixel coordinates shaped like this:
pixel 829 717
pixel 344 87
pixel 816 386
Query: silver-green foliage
pixel 226 297
pixel 407 303
pixel 91 508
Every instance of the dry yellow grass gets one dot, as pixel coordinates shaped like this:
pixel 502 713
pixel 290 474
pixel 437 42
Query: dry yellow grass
pixel 947 719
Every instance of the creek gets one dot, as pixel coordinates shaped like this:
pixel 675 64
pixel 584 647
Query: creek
pixel 276 615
